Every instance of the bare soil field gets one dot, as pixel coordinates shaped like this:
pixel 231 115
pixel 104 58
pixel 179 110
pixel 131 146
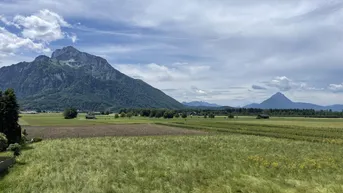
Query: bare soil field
pixel 51 132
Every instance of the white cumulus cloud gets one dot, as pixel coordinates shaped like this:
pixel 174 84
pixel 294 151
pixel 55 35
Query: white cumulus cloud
pixel 153 73
pixel 37 31
pixel 6 22
pixel 336 87
pixel 42 26
pixel 198 91
pixel 72 37
pixel 281 82
pixel 10 42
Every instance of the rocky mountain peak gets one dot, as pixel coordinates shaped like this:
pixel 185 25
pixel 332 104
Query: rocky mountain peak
pixel 92 64
pixel 66 53
pixel 279 97
pixel 42 58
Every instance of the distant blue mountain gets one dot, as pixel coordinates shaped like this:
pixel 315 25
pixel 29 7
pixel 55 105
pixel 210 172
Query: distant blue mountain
pixel 280 101
pixel 200 104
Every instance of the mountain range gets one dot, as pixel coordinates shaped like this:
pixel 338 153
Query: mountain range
pixel 280 101
pixel 200 104
pixel 71 78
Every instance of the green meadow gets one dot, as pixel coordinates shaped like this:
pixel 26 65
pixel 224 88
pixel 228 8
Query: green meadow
pixel 286 155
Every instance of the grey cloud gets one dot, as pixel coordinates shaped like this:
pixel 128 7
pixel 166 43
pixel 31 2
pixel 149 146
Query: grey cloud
pixel 256 87
pixel 327 9
pixel 137 77
pixel 169 89
pixel 283 83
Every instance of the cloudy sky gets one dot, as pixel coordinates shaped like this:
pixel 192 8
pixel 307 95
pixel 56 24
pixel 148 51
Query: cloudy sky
pixel 223 51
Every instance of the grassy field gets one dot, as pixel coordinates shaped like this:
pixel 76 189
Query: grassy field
pixel 307 129
pixel 56 119
pixel 220 163
pixel 290 155
pixel 321 133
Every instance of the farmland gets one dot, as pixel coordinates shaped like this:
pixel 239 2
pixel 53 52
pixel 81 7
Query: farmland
pixel 214 155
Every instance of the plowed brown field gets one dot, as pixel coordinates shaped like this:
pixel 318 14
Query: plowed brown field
pixel 106 130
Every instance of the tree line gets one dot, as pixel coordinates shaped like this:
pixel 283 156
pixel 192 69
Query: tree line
pixel 156 113
pixel 159 113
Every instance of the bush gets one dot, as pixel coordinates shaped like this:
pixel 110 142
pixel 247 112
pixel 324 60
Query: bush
pixel 70 113
pixel 122 111
pixel 168 115
pixel 184 115
pixel 205 116
pixel 152 113
pixel 105 112
pixel 212 116
pixel 231 116
pixel 177 115
pixel 159 113
pixel 116 116
pixel 25 132
pixel 36 139
pixel 122 114
pixel 129 115
pixel 145 113
pixel 23 139
pixel 15 148
pixel 3 142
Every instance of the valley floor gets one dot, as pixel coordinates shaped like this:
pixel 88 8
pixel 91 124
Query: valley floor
pixel 244 155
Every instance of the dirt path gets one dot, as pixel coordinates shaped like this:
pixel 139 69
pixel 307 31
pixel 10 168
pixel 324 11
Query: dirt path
pixel 107 130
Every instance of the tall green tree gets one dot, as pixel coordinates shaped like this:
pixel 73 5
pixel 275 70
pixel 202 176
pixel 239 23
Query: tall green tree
pixel 168 114
pixel 70 113
pixel 9 115
pixel 2 111
pixel 184 115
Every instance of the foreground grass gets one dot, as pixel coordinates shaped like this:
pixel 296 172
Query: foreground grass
pixel 220 163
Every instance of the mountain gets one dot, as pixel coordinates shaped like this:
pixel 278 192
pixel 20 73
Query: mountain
pixel 200 104
pixel 252 106
pixel 280 101
pixel 81 80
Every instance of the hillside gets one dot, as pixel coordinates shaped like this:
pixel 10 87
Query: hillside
pixel 200 104
pixel 280 101
pixel 73 78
